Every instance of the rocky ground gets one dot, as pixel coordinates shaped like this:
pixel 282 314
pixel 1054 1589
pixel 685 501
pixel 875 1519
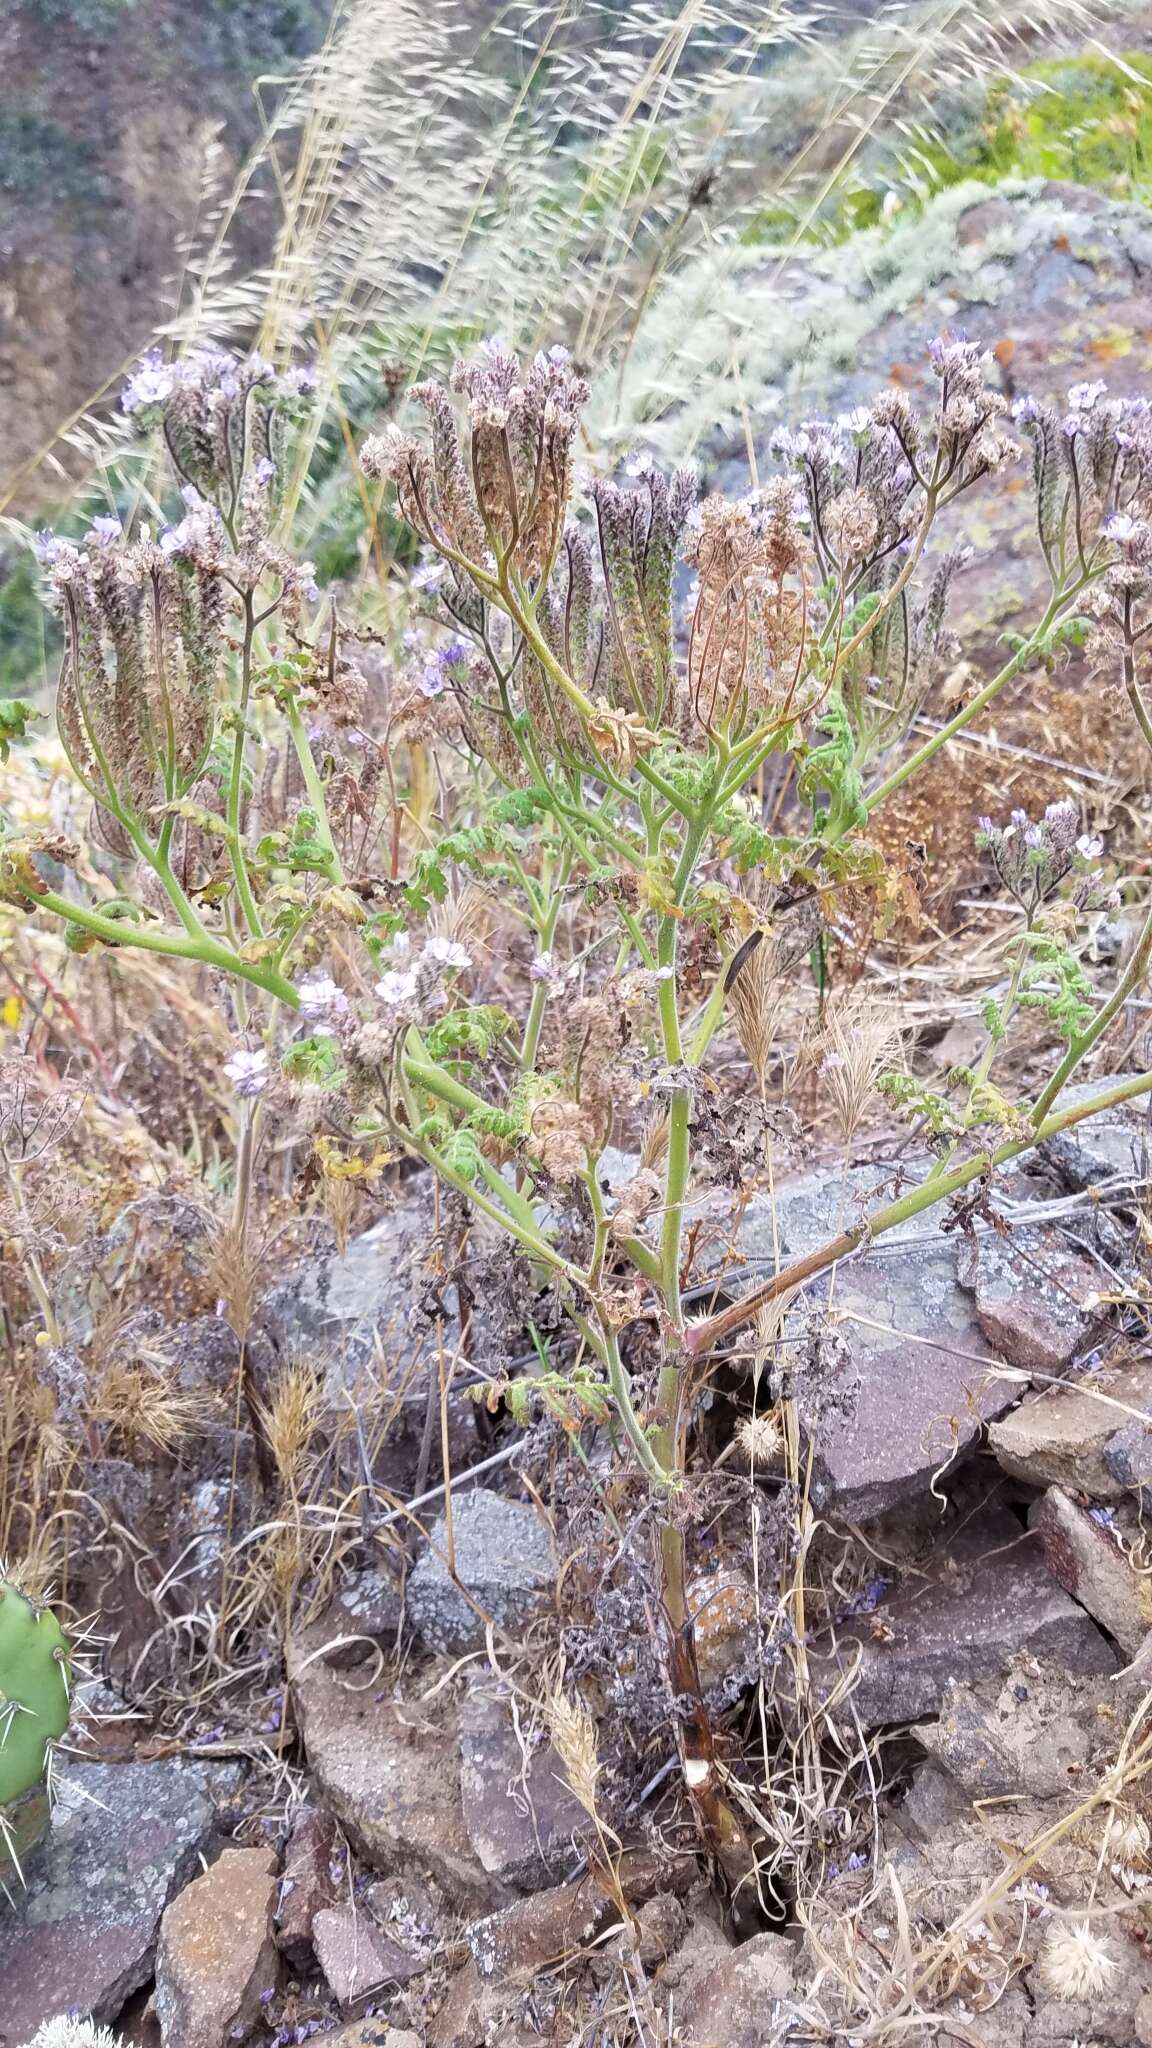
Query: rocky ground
pixel 402 1855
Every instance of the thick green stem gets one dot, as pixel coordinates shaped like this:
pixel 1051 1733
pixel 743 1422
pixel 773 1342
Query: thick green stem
pixel 704 1335
pixel 176 945
pixel 236 779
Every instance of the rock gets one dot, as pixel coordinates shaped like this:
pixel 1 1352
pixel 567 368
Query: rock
pixel 933 1801
pixel 1112 1144
pixel 503 1557
pixel 363 1617
pixel 385 1780
pixel 519 1811
pixel 1034 1735
pixel 216 1964
pixel 538 1933
pixel 1030 1290
pixel 732 1998
pixel 1084 1556
pixel 1128 1457
pixel 926 1377
pixel 123 1839
pixel 372 2033
pixel 378 1349
pixel 357 1958
pixel 982 1597
pixel 660 1925
pixel 478 2012
pixel 308 1884
pixel 723 1602
pixel 1060 1437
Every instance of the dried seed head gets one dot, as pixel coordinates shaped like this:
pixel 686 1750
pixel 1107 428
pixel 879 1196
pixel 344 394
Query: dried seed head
pixel 563 1134
pixel 760 1439
pixel 573 1733
pixel 1076 1963
pixel 861 1040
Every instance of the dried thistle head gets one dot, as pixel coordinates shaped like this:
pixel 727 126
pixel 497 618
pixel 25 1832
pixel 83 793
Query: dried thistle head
pixel 861 1038
pixel 502 492
pixel 1075 1962
pixel 562 1136
pixel 596 1031
pixel 749 641
pixel 639 532
pixel 760 1439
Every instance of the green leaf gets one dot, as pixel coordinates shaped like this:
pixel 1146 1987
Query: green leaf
pixel 15 714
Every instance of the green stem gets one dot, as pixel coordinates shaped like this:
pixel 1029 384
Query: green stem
pixel 314 786
pixel 968 712
pixel 621 1387
pixel 704 1335
pixel 236 779
pixel 1080 1047
pixel 177 945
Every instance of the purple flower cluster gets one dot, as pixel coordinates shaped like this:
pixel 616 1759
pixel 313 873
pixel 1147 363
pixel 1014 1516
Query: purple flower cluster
pixel 1033 857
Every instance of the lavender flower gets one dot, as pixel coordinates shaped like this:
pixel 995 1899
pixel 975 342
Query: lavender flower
pixel 105 531
pixel 321 999
pixel 397 987
pixel 150 384
pixel 1082 397
pixel 248 1071
pixel 447 952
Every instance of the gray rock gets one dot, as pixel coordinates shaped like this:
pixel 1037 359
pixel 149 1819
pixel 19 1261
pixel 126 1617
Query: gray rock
pixel 504 1562
pixel 734 1996
pixel 123 1839
pixel 1128 1458
pixel 927 1376
pixel 978 1601
pixel 1033 1735
pixel 1036 1297
pixel 361 1313
pixel 392 1783
pixel 520 1814
pixel 1060 1437
pixel 364 1615
pixel 357 1958
pixel 216 1964
pixel 1084 1556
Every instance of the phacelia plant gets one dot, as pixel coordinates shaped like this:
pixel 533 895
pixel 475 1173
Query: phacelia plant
pixel 258 768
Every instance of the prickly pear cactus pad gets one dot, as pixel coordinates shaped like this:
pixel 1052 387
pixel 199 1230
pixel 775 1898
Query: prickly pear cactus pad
pixel 34 1690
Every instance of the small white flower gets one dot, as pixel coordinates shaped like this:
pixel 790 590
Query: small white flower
pixel 1121 527
pixel 248 1071
pixel 448 952
pixel 1090 847
pixel 1083 397
pixel 396 987
pixel 321 998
